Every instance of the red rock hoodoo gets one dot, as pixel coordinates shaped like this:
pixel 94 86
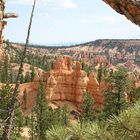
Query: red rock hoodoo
pixel 63 83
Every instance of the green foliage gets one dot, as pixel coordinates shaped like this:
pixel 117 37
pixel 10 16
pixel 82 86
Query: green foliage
pixel 97 131
pixel 43 117
pixel 77 132
pixel 127 125
pixel 134 94
pixel 18 120
pixel 115 100
pixel 5 101
pixel 87 69
pixel 101 73
pixel 59 116
pixel 120 80
pixel 22 79
pixel 5 70
pixel 32 73
pixel 41 112
pixel 58 133
pixel 44 62
pixel 87 111
pixel 32 125
pixel 27 77
pixel 88 132
pixel 25 97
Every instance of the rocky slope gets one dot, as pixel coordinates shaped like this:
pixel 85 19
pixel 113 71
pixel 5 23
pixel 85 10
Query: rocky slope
pixel 111 52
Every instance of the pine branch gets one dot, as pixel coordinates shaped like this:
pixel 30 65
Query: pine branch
pixel 9 121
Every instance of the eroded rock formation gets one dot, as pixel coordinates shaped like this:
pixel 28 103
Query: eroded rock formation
pixel 129 8
pixel 64 83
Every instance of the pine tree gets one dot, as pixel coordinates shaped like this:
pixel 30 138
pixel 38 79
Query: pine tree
pixel 5 69
pixel 41 112
pixel 115 100
pixel 5 100
pixel 27 77
pixel 65 117
pixel 25 97
pixel 87 69
pixel 87 110
pixel 126 126
pixel 11 75
pixel 134 94
pixel 22 79
pixel 101 72
pixel 32 125
pixel 32 73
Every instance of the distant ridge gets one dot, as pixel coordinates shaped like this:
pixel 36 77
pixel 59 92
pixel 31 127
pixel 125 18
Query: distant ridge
pixel 96 43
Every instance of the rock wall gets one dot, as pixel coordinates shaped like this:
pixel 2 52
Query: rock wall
pixel 65 83
pixel 129 8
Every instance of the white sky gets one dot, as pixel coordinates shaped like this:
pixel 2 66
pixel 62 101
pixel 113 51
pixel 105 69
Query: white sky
pixel 58 21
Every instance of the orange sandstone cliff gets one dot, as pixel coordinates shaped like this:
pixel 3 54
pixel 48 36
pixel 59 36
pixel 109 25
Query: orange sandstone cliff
pixel 64 83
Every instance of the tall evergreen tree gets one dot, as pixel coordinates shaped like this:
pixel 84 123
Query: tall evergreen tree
pixel 87 110
pixel 25 96
pixel 115 99
pixel 100 74
pixel 5 100
pixel 32 125
pixel 27 77
pixel 22 79
pixel 5 70
pixel 87 69
pixel 41 112
pixel 32 73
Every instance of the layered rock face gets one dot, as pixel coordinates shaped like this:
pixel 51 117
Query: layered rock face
pixel 129 8
pixel 96 89
pixel 66 84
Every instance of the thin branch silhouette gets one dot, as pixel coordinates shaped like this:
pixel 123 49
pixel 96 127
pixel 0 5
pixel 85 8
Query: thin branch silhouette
pixel 9 122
